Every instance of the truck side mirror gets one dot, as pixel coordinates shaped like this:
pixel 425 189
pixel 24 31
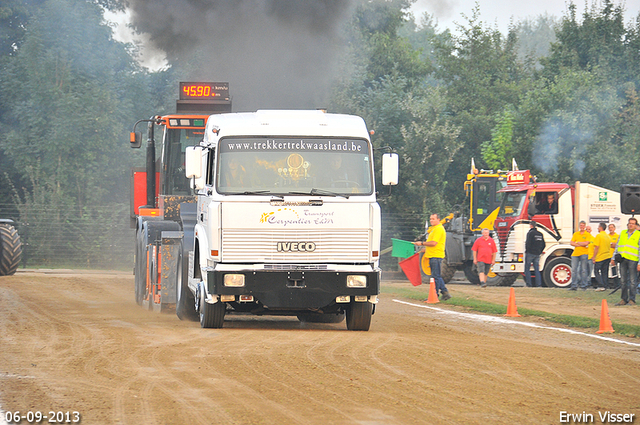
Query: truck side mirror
pixel 390 168
pixel 135 139
pixel 531 209
pixel 193 162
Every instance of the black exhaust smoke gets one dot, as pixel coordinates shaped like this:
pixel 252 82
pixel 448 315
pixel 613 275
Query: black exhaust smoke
pixel 274 53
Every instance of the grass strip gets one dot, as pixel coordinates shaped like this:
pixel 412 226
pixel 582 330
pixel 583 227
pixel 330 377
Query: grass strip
pixel 498 309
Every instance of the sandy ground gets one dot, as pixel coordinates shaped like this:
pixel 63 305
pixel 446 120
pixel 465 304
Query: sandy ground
pixel 78 342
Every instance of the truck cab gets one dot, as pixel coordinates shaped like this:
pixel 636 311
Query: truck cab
pixel 557 208
pixel 287 218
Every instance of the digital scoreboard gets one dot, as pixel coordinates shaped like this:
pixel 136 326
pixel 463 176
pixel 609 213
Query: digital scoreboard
pixel 204 91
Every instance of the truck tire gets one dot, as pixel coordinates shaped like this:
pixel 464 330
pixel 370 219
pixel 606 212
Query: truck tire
pixel 212 315
pixel 494 279
pixel 10 250
pixel 557 272
pixel 140 269
pixel 321 318
pixel 506 279
pixel 359 316
pixel 185 301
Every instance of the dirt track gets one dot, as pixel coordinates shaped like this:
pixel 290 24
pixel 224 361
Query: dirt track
pixel 78 342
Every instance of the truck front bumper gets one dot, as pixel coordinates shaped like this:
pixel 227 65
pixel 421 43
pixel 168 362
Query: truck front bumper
pixel 295 289
pixel 508 268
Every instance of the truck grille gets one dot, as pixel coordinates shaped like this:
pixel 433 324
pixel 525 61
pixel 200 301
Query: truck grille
pixel 334 246
pixel 295 267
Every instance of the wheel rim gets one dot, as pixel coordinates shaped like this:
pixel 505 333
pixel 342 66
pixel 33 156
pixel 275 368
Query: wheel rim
pixel 561 275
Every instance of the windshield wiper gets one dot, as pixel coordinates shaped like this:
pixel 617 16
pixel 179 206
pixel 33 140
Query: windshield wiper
pixel 320 192
pixel 250 192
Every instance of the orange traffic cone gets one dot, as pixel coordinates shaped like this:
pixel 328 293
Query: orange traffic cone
pixel 433 294
pixel 512 310
pixel 605 320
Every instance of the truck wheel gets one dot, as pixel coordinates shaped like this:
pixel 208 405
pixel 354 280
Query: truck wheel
pixel 10 250
pixel 321 318
pixel 212 315
pixel 359 316
pixel 140 269
pixel 185 302
pixel 501 280
pixel 557 273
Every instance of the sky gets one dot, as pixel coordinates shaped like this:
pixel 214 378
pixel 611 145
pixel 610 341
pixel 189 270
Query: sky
pixel 500 12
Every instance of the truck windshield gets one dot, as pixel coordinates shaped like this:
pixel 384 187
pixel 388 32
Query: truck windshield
pixel 512 204
pixel 294 165
pixel 175 142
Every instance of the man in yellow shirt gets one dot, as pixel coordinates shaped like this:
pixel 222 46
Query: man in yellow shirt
pixel 589 258
pixel 435 252
pixel 601 257
pixel 580 241
pixel 614 267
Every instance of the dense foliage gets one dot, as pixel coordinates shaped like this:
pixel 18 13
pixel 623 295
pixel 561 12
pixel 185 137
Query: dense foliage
pixel 558 95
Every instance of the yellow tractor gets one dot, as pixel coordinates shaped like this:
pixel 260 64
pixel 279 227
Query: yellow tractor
pixel 464 225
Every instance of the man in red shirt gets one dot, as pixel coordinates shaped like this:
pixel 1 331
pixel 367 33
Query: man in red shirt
pixel 484 255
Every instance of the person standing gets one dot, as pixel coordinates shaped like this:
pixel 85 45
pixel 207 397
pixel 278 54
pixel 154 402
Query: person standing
pixel 589 260
pixel 614 267
pixel 484 255
pixel 434 250
pixel 580 241
pixel 602 257
pixel 628 249
pixel 533 247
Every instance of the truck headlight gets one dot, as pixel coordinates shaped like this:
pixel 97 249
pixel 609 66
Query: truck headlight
pixel 356 281
pixel 234 280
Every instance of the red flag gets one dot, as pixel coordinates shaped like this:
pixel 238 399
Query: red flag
pixel 411 268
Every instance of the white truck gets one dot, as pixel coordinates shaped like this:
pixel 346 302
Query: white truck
pixel 521 203
pixel 286 220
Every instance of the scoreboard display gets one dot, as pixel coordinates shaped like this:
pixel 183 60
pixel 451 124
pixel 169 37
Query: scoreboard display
pixel 204 91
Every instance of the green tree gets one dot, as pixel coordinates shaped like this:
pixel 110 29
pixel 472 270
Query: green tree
pixel 576 122
pixel 386 85
pixel 376 45
pixel 495 152
pixel 599 41
pixel 66 106
pixel 67 96
pixel 482 74
pixel 534 39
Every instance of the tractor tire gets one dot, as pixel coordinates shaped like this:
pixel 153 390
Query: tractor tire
pixel 471 273
pixel 10 250
pixel 359 316
pixel 447 271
